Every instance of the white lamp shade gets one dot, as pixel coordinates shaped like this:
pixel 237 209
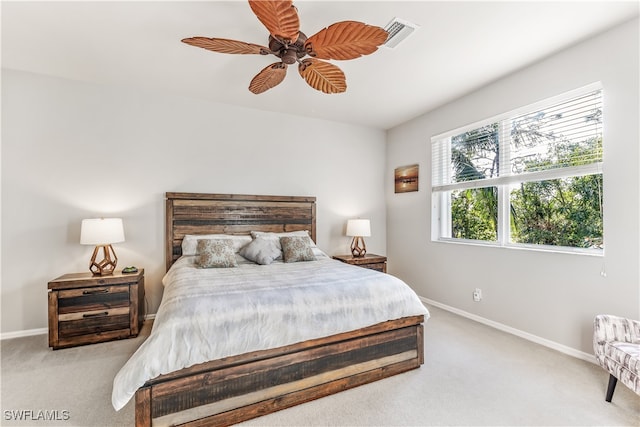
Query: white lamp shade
pixel 101 231
pixel 358 227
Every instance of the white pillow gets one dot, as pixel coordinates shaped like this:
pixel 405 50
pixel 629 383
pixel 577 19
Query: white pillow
pixel 261 251
pixel 190 241
pixel 319 253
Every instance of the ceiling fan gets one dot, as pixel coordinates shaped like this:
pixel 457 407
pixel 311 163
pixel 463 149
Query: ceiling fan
pixel 342 40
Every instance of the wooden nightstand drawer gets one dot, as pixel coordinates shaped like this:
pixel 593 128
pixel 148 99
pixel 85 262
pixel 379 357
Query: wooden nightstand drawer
pixel 378 266
pixel 76 324
pixel 93 299
pixel 86 309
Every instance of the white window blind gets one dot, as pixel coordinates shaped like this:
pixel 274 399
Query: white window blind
pixel 559 139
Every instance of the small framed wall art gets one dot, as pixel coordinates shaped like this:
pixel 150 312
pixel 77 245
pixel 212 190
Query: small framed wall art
pixel 406 179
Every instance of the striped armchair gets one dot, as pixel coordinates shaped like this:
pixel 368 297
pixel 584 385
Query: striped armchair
pixel 616 343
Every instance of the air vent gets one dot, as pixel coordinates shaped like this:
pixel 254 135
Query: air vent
pixel 398 30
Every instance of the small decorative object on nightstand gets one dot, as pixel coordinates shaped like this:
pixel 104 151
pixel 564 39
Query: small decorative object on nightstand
pixel 371 261
pixel 87 309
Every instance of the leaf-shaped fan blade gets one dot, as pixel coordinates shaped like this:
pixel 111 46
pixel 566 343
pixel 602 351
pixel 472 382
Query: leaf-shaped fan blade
pixel 280 18
pixel 226 45
pixel 269 77
pixel 323 76
pixel 345 40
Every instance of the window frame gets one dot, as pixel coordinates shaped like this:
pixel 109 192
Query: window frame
pixel 441 217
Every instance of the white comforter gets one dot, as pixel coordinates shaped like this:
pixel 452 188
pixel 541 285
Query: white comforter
pixel 207 314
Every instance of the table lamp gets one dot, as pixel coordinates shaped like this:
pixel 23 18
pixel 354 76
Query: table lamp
pixel 102 232
pixel 358 228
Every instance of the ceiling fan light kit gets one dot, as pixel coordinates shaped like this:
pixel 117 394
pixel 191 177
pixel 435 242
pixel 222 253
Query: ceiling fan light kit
pixel 340 41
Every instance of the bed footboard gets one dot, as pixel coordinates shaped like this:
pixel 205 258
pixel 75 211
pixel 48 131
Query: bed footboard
pixel 239 388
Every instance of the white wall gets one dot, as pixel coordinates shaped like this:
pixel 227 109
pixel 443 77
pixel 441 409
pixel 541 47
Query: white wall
pixel 552 296
pixel 74 150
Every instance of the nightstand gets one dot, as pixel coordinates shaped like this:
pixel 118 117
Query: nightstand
pixel 87 309
pixel 371 261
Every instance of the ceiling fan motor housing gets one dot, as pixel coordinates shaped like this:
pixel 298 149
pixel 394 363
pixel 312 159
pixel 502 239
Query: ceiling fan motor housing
pixel 289 53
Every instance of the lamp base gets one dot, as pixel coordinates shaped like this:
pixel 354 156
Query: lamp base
pixel 108 264
pixel 358 248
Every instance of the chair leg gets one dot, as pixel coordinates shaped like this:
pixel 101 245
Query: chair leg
pixel 612 387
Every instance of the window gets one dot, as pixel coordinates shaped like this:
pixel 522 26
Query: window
pixel 530 178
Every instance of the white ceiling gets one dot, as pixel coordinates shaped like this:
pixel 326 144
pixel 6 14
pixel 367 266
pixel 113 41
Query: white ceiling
pixel 459 47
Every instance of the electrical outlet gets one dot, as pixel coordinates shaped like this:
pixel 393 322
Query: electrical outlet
pixel 477 295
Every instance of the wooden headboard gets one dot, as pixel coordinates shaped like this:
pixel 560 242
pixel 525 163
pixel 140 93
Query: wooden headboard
pixel 201 213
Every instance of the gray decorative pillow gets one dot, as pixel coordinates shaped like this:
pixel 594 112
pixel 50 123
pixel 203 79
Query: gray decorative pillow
pixel 215 253
pixel 261 251
pixel 297 248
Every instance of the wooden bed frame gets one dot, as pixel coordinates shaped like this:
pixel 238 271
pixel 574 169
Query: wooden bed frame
pixel 238 388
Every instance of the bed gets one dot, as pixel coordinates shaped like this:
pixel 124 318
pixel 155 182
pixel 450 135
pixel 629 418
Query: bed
pixel 281 368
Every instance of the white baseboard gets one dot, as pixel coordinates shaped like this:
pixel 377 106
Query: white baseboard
pixel 42 331
pixel 26 333
pixel 529 337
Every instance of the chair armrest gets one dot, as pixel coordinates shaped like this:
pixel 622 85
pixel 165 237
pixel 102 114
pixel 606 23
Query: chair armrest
pixel 609 328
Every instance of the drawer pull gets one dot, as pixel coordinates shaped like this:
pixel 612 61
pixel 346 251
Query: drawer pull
pixel 104 313
pixel 97 291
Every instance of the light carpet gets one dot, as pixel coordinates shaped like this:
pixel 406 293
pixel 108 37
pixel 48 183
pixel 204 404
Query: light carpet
pixel 473 375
